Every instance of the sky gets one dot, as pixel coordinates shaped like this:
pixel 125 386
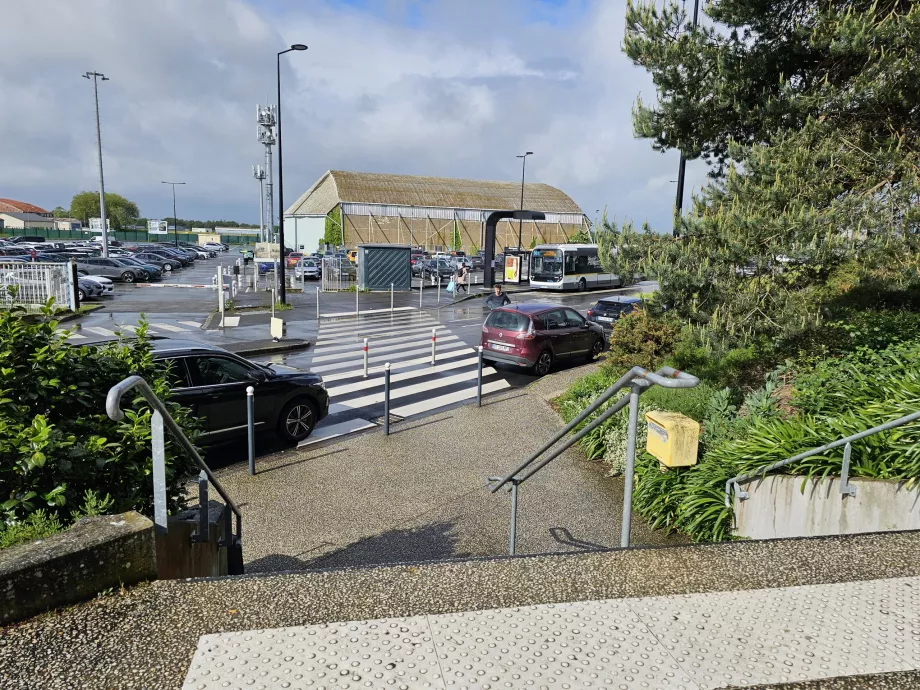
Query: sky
pixel 452 88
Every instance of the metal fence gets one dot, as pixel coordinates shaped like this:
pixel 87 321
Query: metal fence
pixel 30 285
pixel 339 274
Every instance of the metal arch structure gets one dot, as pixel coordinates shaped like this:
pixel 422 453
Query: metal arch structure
pixel 489 244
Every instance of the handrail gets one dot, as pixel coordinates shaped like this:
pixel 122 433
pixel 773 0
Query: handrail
pixel 114 411
pixel 665 376
pixel 845 488
pixel 638 379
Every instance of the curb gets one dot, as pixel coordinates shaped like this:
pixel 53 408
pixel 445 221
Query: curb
pixel 63 318
pixel 483 295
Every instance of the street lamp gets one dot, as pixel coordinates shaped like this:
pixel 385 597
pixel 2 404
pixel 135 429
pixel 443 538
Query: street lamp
pixel 105 231
pixel 175 219
pixel 682 166
pixel 523 168
pixel 283 293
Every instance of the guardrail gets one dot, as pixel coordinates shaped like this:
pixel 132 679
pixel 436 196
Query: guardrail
pixel 638 379
pixel 159 419
pixel 35 282
pixel 846 489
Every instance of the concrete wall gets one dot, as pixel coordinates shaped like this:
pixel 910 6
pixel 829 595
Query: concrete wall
pixel 94 555
pixel 779 508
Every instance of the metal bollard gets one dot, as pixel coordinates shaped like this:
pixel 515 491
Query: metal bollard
pixel 356 300
pixel 434 341
pixel 479 380
pixel 251 428
pixel 421 290
pixel 386 399
pixel 365 358
pixel 439 288
pixel 391 297
pixel 317 304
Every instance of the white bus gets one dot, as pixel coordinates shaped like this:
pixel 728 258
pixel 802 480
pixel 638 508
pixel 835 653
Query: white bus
pixel 569 267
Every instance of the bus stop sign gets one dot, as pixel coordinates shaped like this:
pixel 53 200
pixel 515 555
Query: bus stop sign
pixel 488 258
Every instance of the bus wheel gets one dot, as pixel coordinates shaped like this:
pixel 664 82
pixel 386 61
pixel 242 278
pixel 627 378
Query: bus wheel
pixel 582 285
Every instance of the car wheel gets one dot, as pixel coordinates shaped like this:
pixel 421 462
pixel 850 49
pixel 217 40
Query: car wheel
pixel 127 277
pixel 544 363
pixel 81 295
pixel 297 420
pixel 167 267
pixel 596 350
pixel 582 285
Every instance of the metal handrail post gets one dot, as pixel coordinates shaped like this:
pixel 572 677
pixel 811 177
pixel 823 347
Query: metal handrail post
pixel 158 447
pixel 391 298
pixel 629 473
pixel 251 428
pixel 386 399
pixel 479 380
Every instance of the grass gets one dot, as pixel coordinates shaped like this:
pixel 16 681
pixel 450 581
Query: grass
pixel 38 526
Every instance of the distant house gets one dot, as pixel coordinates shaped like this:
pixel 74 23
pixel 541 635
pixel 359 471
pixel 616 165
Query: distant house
pixel 71 224
pixel 25 221
pixel 13 206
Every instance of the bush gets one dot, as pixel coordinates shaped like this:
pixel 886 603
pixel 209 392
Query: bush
pixel 640 339
pixel 37 526
pixel 56 441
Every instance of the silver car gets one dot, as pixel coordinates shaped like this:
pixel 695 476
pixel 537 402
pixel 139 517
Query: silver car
pixel 112 268
pixel 307 269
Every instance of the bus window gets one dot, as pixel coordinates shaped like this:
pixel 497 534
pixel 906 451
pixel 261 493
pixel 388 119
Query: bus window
pixel 594 264
pixel 546 264
pixel 570 264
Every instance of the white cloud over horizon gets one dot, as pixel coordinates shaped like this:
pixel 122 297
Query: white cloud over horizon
pixel 451 88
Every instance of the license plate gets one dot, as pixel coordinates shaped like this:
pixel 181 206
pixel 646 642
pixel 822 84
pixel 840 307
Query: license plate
pixel 605 318
pixel 502 348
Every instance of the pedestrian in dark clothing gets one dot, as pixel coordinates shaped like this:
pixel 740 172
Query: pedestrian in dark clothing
pixel 496 299
pixel 462 274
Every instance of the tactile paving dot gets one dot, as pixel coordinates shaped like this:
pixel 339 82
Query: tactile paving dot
pixel 772 636
pixel 568 646
pixel 388 653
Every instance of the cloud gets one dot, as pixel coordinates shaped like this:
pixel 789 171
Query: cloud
pixel 441 87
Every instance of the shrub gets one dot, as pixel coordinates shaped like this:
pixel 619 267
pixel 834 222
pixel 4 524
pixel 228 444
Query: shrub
pixel 37 526
pixel 640 339
pixel 56 441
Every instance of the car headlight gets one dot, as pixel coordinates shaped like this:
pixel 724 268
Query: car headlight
pixel 321 383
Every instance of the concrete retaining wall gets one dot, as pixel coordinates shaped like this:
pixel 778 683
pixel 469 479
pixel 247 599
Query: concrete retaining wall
pixel 779 508
pixel 95 554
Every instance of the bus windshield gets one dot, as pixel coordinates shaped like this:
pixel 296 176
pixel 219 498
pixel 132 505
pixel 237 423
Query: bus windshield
pixel 545 263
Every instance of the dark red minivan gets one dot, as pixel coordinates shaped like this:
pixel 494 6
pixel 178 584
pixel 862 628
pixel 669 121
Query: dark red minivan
pixel 536 335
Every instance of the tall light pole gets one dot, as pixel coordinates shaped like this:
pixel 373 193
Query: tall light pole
pixel 175 219
pixel 283 292
pixel 682 166
pixel 523 169
pixel 105 230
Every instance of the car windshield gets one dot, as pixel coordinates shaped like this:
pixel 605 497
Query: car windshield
pixel 616 307
pixel 508 321
pixel 546 262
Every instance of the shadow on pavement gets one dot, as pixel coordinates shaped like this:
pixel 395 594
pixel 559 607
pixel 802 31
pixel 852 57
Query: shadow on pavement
pixel 561 535
pixel 435 541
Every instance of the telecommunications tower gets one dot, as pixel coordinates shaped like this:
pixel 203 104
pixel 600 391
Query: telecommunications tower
pixel 265 116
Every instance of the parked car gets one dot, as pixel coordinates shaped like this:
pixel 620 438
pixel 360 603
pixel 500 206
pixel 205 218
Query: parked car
pixel 111 268
pixel 87 289
pixel 27 238
pixel 293 258
pixel 106 285
pixel 538 334
pixel 168 254
pixel 308 269
pixel 474 261
pixel 438 267
pixel 213 383
pixel 165 262
pixel 154 272
pixel 607 310
pixel 216 246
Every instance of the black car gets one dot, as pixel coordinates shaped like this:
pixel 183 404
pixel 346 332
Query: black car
pixel 168 263
pixel 213 383
pixel 438 267
pixel 607 310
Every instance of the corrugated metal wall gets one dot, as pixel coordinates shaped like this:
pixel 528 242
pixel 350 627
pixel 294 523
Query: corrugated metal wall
pixel 378 267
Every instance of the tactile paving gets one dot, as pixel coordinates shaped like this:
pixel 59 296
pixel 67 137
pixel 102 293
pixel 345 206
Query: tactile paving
pixel 695 641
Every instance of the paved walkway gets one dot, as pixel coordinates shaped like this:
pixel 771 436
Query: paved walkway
pixel 693 641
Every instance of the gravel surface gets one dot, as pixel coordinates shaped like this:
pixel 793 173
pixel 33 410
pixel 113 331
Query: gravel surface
pixel 146 636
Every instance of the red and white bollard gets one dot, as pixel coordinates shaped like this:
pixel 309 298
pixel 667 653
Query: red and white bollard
pixel 434 344
pixel 365 358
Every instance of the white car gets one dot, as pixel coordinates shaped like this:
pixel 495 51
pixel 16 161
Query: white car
pixel 214 247
pixel 108 288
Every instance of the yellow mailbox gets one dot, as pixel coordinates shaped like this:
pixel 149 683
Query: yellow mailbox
pixel 673 438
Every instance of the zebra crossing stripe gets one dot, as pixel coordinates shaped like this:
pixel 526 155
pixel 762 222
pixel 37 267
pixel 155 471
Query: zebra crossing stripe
pixel 98 330
pixel 346 352
pixel 378 381
pixel 448 399
pixel 168 327
pixel 380 324
pixel 366 311
pixel 411 390
pixel 396 365
pixel 369 329
pixel 400 336
pixel 353 364
pixel 196 324
pixel 132 329
pixel 76 336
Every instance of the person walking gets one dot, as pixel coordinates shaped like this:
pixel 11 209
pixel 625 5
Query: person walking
pixel 496 299
pixel 462 273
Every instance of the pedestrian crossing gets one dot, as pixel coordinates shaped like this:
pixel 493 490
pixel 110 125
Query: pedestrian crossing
pixel 82 332
pixel 404 341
